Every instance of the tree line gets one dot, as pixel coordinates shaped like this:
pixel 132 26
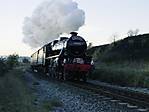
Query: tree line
pixel 8 63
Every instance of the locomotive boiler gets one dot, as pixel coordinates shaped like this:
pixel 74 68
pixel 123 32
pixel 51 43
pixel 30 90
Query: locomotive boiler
pixel 64 58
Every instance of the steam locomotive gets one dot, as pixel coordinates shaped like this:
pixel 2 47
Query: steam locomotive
pixel 64 58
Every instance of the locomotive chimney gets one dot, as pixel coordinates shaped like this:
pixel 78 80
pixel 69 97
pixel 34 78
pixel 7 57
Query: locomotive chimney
pixel 74 33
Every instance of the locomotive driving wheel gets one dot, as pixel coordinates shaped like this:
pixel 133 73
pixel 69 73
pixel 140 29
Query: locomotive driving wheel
pixel 65 75
pixel 84 78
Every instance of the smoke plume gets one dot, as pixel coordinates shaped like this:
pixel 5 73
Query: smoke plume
pixel 50 19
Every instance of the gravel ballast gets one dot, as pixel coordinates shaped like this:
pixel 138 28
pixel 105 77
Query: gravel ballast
pixel 136 89
pixel 73 99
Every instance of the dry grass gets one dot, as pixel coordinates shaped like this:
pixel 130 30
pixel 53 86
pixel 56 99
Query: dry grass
pixel 124 73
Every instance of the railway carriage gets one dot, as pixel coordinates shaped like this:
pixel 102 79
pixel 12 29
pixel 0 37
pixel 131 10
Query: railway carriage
pixel 64 58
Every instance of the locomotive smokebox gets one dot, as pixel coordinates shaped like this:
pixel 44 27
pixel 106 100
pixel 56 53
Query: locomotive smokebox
pixel 76 45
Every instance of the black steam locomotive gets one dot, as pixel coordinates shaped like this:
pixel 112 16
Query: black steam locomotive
pixel 64 58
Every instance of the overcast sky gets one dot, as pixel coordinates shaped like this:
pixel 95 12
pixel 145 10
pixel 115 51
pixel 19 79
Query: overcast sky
pixel 103 19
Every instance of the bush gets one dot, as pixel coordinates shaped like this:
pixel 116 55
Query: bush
pixel 12 61
pixel 3 67
pixel 25 60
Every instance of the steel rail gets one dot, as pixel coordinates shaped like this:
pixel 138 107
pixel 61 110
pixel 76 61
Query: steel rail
pixel 128 96
pixel 132 97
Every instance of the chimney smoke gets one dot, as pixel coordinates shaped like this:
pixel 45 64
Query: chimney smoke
pixel 51 19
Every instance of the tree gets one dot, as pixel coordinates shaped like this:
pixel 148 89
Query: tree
pixel 114 38
pixel 3 67
pixel 89 45
pixel 12 61
pixel 136 32
pixel 25 60
pixel 131 33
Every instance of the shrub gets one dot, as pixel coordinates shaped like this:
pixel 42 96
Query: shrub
pixel 25 60
pixel 12 61
pixel 3 67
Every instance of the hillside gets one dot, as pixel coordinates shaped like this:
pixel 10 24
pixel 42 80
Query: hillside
pixel 129 48
pixel 124 62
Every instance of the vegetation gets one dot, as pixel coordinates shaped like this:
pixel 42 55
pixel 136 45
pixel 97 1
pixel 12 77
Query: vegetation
pixel 15 96
pixel 124 62
pixel 48 105
pixel 12 61
pixel 25 60
pixel 9 63
pixel 124 73
pixel 3 67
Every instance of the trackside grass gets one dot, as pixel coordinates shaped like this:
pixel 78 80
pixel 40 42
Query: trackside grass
pixel 123 62
pixel 49 105
pixel 15 96
pixel 124 73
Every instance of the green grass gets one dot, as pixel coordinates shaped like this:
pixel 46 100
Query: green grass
pixel 49 105
pixel 125 62
pixel 15 96
pixel 123 73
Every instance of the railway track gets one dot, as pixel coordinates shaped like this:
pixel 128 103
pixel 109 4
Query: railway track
pixel 131 98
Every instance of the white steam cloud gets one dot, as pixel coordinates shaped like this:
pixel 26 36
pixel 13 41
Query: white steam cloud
pixel 51 19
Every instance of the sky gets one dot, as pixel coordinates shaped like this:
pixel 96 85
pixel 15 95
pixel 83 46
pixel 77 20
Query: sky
pixel 104 18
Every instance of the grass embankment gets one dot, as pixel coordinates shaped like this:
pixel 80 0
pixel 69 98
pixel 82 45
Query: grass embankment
pixel 15 96
pixel 123 73
pixel 123 62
